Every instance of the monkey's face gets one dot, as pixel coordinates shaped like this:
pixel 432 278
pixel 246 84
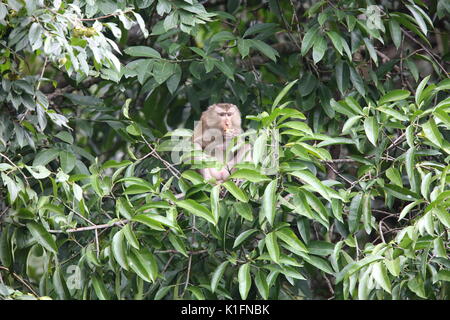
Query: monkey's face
pixel 229 119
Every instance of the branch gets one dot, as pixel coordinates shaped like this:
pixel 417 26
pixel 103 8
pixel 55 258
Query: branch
pixel 20 280
pixel 426 49
pixel 94 227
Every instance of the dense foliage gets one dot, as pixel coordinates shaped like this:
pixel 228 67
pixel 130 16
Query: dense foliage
pixel 346 104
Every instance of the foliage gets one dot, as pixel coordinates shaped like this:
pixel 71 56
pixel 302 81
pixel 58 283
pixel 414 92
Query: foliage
pixel 350 100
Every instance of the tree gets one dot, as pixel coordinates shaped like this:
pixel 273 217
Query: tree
pixel 347 196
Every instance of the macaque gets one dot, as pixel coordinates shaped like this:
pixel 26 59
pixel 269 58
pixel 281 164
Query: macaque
pixel 218 125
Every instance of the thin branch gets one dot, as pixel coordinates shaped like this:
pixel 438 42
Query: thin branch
pixel 20 280
pixel 337 172
pixel 15 166
pixel 94 227
pixel 176 251
pixel 426 49
pixel 187 275
pixel 167 164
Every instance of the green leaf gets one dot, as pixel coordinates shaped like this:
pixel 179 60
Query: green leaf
pixel 309 39
pixel 147 220
pixel 443 275
pixel 371 128
pixel 243 47
pixel 432 133
pixel 319 49
pixel 141 262
pixel 215 198
pixel 272 247
pixel 197 292
pixel 357 82
pixel 410 165
pixel 42 236
pixel 195 208
pixel 178 244
pixel 400 193
pixel 418 19
pixel 261 284
pixel 425 185
pixel 59 284
pixel 250 175
pixel 310 180
pixel 320 263
pixel 217 275
pixel 342 76
pixel 118 247
pixel 394 175
pixel 394 95
pixel 244 235
pixel 223 36
pixel 39 172
pixel 244 210
pixel 123 208
pixel 5 249
pixel 163 71
pixel 289 237
pixel 130 236
pixel 371 50
pixel 68 161
pixel 45 156
pixel 235 191
pixel 396 32
pixel 420 96
pixel 142 51
pixel 269 201
pixel 65 136
pixel 336 39
pixel 145 217
pixel 416 285
pixel 162 292
pixel 297 125
pixel 394 113
pixel 245 280
pixel 34 35
pixel 380 276
pixel 283 93
pixel 259 148
pixel 354 105
pixel 350 123
pixel 355 212
pixel 265 49
pixel 260 28
pixel 442 215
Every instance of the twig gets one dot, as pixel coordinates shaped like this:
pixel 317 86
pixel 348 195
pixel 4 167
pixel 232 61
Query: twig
pixel 187 275
pixel 330 287
pixel 97 246
pixel 168 165
pixel 15 166
pixel 339 161
pixel 337 172
pixel 426 49
pixel 176 251
pixel 94 227
pixel 20 280
pixel 380 227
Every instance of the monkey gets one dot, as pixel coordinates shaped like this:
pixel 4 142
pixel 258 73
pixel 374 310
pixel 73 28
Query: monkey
pixel 218 125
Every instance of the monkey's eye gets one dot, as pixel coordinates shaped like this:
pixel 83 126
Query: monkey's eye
pixel 222 114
